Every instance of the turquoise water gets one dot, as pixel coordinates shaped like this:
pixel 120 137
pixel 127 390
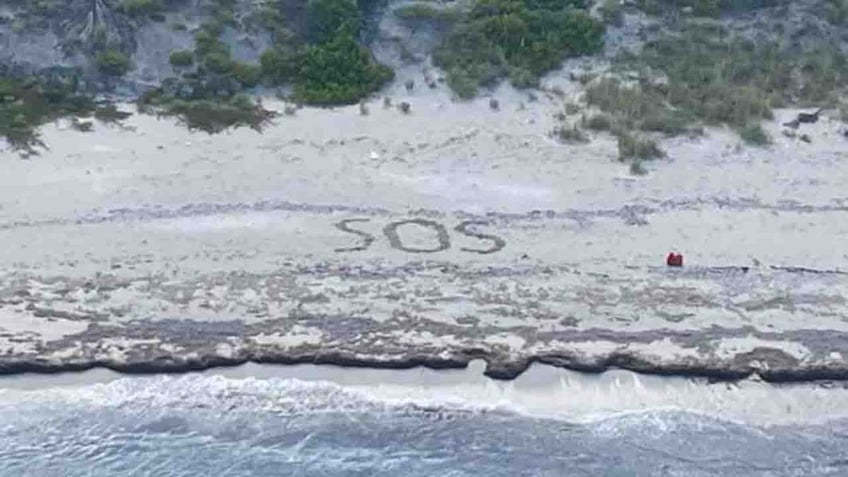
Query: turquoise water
pixel 211 425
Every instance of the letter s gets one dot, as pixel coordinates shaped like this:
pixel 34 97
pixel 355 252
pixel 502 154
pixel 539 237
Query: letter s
pixel 497 246
pixel 367 239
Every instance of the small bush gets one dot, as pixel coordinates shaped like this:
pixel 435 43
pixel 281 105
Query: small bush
pixel 246 74
pixel 599 122
pixel 706 8
pixel 211 116
pixel 280 64
pixel 326 19
pixel 424 12
pixel 113 62
pixel 218 62
pixel 141 8
pixel 836 11
pixel 339 72
pixel 755 135
pixel 637 168
pixel 521 40
pixel 181 58
pixel 638 148
pixel 462 84
pixel 668 122
pixel 109 114
pixel 27 103
pixel 570 134
pixel 612 12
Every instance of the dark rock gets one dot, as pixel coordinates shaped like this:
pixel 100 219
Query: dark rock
pixel 809 118
pixel 494 104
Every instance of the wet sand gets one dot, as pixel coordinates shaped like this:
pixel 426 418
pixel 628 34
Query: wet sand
pixel 543 391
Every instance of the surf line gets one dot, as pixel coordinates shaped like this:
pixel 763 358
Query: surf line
pixel 466 228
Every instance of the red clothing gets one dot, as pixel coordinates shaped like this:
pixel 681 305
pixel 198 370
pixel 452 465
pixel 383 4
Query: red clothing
pixel 674 260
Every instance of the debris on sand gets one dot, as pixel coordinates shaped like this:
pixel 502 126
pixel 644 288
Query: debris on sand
pixel 803 118
pixel 809 118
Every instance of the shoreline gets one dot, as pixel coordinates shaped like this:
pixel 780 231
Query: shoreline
pixel 497 369
pixel 542 392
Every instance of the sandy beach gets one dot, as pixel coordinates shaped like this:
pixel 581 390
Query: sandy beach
pixel 449 234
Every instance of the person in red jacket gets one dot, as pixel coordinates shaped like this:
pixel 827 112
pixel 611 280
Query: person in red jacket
pixel 674 259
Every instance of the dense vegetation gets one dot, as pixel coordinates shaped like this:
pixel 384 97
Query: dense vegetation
pixel 28 102
pixel 326 64
pixel 330 67
pixel 706 8
pixel 691 72
pixel 712 77
pixel 519 39
pixel 339 71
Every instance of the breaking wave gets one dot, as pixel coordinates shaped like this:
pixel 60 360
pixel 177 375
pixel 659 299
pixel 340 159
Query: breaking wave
pixel 196 424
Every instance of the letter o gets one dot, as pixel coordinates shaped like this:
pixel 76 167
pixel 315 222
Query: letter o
pixel 394 239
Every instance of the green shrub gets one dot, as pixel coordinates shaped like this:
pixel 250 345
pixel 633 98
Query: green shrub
pixel 667 121
pixel 599 122
pixel 218 62
pixel 113 62
pixel 223 12
pixel 522 40
pixel 638 148
pixel 755 135
pixel 570 134
pixel 719 79
pixel 109 114
pixel 181 58
pixel 836 11
pixel 247 74
pixel 422 11
pixel 280 64
pixel 522 78
pixel 706 8
pixel 339 72
pixel 612 12
pixel 327 19
pixel 637 107
pixel 26 103
pixel 211 116
pixel 271 18
pixel 637 168
pixel 140 8
pixel 461 83
pixel 206 40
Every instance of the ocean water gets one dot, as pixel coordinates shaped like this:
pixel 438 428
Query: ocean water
pixel 213 425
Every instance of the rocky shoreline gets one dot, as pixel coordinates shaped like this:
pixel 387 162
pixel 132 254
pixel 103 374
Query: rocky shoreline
pixel 766 364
